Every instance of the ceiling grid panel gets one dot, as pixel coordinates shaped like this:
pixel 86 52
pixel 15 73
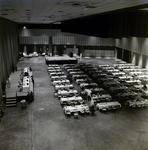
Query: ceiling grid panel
pixel 51 11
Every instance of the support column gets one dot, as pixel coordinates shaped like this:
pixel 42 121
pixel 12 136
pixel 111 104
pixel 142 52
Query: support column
pixel 81 52
pixel 146 66
pixel 115 53
pixel 25 49
pixel 122 54
pixel 50 46
pixel 55 50
pixel 140 60
pixel 44 48
pixel 34 48
pixel 65 51
pixel 133 58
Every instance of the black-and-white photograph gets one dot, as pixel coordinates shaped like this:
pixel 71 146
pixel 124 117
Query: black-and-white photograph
pixel 73 74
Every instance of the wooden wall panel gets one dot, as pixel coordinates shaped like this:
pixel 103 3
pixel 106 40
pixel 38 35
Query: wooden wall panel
pixel 138 46
pixel 63 40
pixel 34 39
pixel 98 53
pixel 39 32
pixel 134 44
pixel 69 38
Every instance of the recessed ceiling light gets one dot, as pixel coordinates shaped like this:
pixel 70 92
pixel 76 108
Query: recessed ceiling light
pixel 90 6
pixel 76 3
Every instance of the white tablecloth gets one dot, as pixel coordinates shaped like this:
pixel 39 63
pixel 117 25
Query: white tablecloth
pixel 73 98
pixel 77 108
pixel 66 86
pixel 108 105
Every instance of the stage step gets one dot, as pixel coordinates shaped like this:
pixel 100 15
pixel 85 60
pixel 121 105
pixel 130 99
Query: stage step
pixel 11 102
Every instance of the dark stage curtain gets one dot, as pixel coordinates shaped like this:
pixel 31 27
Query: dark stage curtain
pixel 115 25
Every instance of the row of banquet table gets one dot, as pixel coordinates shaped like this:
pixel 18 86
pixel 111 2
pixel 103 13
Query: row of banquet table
pixel 68 96
pixel 124 87
pixel 124 82
pixel 73 104
pixel 110 85
pixel 102 100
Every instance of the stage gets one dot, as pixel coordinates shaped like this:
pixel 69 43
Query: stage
pixel 60 60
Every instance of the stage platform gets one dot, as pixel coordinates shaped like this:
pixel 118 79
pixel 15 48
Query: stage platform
pixel 12 92
pixel 60 60
pixel 14 78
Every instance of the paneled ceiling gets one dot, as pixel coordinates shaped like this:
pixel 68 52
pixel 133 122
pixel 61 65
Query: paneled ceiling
pixel 54 11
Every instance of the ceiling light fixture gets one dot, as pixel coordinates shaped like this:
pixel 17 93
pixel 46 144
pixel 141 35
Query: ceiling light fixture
pixel 24 27
pixel 76 3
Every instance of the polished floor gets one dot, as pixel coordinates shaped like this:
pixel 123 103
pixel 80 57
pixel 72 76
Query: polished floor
pixel 43 126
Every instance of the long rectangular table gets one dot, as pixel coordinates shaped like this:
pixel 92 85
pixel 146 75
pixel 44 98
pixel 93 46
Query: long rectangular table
pixel 73 69
pixel 54 78
pixel 70 99
pixel 108 106
pixel 67 93
pixel 135 103
pixel 77 108
pixel 65 86
pixel 57 82
pixel 56 74
pixel 132 82
pixel 102 98
pixel 125 78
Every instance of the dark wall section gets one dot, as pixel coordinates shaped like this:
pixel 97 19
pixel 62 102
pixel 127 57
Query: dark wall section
pixel 100 47
pixel 8 49
pixel 123 54
pixel 144 61
pixel 115 25
pixel 127 56
pixel 119 53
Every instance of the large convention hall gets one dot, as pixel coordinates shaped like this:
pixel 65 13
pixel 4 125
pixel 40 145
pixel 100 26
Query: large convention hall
pixel 73 74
